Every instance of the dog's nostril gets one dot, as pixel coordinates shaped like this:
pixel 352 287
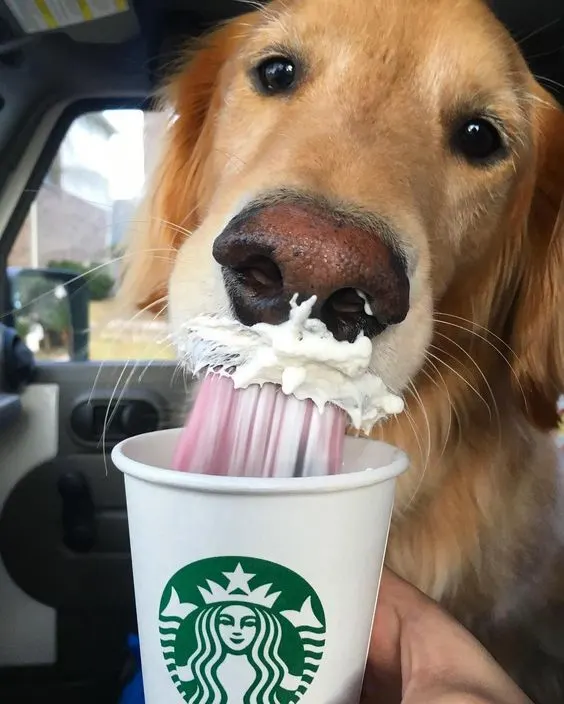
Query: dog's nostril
pixel 348 312
pixel 348 301
pixel 261 274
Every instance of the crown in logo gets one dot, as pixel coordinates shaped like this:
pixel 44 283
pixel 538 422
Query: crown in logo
pixel 238 590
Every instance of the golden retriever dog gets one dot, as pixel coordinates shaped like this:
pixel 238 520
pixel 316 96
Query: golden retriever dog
pixel 401 149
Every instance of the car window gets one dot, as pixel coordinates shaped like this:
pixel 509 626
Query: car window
pixel 78 222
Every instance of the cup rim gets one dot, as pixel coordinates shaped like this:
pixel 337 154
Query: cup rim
pixel 209 483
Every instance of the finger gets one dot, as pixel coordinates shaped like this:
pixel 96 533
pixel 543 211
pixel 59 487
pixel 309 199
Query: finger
pixel 383 680
pixel 416 643
pixel 398 604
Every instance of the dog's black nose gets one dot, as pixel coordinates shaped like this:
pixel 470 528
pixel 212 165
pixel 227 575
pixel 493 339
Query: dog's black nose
pixel 273 252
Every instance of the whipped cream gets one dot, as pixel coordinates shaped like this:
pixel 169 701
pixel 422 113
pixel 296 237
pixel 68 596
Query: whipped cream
pixel 367 309
pixel 301 355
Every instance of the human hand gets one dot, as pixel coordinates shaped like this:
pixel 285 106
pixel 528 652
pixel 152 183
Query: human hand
pixel 420 655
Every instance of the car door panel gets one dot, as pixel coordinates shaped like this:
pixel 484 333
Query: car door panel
pixel 27 627
pixel 10 409
pixel 66 590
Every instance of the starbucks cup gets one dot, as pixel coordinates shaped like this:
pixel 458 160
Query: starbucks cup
pixel 256 590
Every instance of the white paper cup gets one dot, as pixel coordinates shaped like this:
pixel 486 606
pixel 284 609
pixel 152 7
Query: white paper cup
pixel 255 590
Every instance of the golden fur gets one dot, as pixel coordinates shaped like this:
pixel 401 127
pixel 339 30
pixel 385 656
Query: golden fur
pixel 480 357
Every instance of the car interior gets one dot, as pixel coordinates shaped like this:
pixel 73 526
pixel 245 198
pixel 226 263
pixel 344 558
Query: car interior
pixel 78 129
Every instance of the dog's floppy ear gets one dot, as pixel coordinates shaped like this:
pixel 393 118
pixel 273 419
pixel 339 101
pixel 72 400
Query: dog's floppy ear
pixel 537 336
pixel 170 208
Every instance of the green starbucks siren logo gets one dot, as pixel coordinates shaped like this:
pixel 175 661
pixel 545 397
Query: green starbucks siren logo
pixel 238 630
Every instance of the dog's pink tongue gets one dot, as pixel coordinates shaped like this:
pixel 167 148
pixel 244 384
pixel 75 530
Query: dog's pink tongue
pixel 258 432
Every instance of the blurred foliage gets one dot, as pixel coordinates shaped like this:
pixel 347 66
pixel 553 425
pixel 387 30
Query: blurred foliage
pixel 39 301
pixel 100 284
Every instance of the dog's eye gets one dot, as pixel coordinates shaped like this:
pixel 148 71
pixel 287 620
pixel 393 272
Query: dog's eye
pixel 276 75
pixel 478 140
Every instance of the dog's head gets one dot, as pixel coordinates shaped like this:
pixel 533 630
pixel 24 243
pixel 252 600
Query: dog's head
pixel 397 159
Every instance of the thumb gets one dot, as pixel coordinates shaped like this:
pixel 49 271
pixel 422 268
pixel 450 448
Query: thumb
pixel 398 604
pixel 420 653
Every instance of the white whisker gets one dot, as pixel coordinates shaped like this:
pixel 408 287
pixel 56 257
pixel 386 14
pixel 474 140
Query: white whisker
pixel 429 442
pixel 478 368
pixel 450 405
pixel 494 347
pixel 456 373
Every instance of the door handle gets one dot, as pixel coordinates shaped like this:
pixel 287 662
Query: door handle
pixel 94 419
pixel 78 513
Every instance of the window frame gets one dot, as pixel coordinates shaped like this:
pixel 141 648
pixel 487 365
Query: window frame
pixel 37 176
